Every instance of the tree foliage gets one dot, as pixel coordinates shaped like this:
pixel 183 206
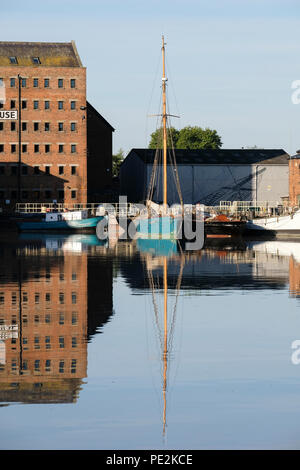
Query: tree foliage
pixel 187 138
pixel 198 138
pixel 156 138
pixel 116 162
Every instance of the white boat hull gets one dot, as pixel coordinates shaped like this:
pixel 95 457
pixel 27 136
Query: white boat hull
pixel 283 224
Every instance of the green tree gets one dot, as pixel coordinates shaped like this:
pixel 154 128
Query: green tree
pixel 116 162
pixel 156 138
pixel 198 138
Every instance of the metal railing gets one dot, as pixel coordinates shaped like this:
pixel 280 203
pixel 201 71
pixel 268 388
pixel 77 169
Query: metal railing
pixel 40 207
pixel 262 208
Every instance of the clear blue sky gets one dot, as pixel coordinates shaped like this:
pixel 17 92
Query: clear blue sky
pixel 230 63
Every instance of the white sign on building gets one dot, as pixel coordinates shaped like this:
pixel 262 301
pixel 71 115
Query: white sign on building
pixel 8 115
pixel 8 331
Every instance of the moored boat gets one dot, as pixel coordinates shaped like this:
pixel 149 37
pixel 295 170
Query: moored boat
pixel 72 220
pixel 223 225
pixel 281 225
pixel 158 221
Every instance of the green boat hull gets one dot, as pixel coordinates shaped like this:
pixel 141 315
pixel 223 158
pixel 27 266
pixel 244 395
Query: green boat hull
pixel 65 225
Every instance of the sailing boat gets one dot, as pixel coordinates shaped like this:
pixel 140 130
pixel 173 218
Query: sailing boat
pixel 158 221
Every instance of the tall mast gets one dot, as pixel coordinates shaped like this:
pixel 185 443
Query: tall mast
pixel 165 353
pixel 164 116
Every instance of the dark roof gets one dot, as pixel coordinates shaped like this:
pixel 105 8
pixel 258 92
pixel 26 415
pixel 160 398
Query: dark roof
pixel 50 54
pixel 297 155
pixel 221 156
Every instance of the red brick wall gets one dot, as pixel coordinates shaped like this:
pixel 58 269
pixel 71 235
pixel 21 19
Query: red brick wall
pixel 294 181
pixel 54 137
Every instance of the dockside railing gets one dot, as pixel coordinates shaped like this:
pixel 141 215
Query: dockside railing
pixel 234 208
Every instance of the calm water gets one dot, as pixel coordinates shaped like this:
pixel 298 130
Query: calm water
pixel 140 346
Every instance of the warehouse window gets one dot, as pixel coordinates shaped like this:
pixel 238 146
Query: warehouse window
pixel 24 104
pixel 35 104
pixel 35 126
pixel 12 82
pixel 47 148
pixel 36 148
pixel 46 82
pixel 60 126
pixel 73 126
pixel 13 148
pixel 12 126
pixel 47 126
pixel 73 196
pixel 73 170
pixel 73 148
pixel 24 82
pixel 73 82
pixel 60 105
pixel 60 170
pixel 47 104
pixel 36 60
pixel 13 60
pixel 24 126
pixel 60 83
pixel 73 104
pixel 1 148
pixel 12 104
pixel 35 82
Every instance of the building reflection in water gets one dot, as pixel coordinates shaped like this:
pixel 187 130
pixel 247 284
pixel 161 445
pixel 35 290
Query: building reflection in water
pixel 56 293
pixel 49 308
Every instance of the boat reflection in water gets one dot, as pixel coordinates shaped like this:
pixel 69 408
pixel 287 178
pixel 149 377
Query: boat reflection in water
pixel 156 255
pixel 50 307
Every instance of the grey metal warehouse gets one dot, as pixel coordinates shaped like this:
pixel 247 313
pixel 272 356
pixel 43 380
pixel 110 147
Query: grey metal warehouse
pixel 210 176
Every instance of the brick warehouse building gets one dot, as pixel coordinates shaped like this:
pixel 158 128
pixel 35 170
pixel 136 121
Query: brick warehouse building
pixel 66 145
pixel 294 180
